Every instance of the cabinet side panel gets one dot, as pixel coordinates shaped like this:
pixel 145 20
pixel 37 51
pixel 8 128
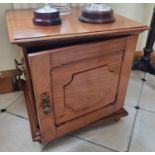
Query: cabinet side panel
pixel 126 70
pixel 40 72
pixel 29 97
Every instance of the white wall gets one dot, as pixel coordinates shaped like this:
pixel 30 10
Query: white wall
pixel 8 52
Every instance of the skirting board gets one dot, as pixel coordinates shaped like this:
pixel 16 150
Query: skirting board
pixel 140 53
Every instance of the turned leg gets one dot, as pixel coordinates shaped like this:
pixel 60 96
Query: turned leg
pixel 144 63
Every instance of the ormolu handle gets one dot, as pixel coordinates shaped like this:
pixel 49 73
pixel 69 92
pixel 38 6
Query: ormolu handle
pixel 46 106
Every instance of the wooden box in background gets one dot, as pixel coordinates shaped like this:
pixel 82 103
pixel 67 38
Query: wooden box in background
pixel 6 84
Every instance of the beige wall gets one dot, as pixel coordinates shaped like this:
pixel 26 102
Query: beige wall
pixel 139 12
pixel 147 19
pixel 7 52
pixel 130 10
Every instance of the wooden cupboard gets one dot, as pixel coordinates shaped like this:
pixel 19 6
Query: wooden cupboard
pixel 75 73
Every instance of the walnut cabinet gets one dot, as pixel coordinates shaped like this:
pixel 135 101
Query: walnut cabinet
pixel 75 73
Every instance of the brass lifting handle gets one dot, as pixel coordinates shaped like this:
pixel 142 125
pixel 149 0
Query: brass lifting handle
pixel 46 106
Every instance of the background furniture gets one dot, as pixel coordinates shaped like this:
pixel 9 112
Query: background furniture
pixel 145 63
pixel 75 73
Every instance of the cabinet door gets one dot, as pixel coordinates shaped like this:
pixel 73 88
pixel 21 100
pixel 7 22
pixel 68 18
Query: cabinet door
pixel 40 75
pixel 75 80
pixel 85 86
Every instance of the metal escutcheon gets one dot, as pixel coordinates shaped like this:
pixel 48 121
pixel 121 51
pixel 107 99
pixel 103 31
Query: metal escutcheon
pixel 46 106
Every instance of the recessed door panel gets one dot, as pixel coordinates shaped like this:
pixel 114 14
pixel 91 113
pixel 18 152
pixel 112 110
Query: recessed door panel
pixel 85 86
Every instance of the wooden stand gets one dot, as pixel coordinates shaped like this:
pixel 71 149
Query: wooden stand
pixel 75 73
pixel 104 15
pixel 145 62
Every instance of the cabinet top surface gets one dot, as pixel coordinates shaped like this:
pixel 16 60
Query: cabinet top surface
pixel 22 30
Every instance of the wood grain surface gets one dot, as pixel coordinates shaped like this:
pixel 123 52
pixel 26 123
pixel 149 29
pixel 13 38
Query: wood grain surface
pixel 22 30
pixel 83 67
